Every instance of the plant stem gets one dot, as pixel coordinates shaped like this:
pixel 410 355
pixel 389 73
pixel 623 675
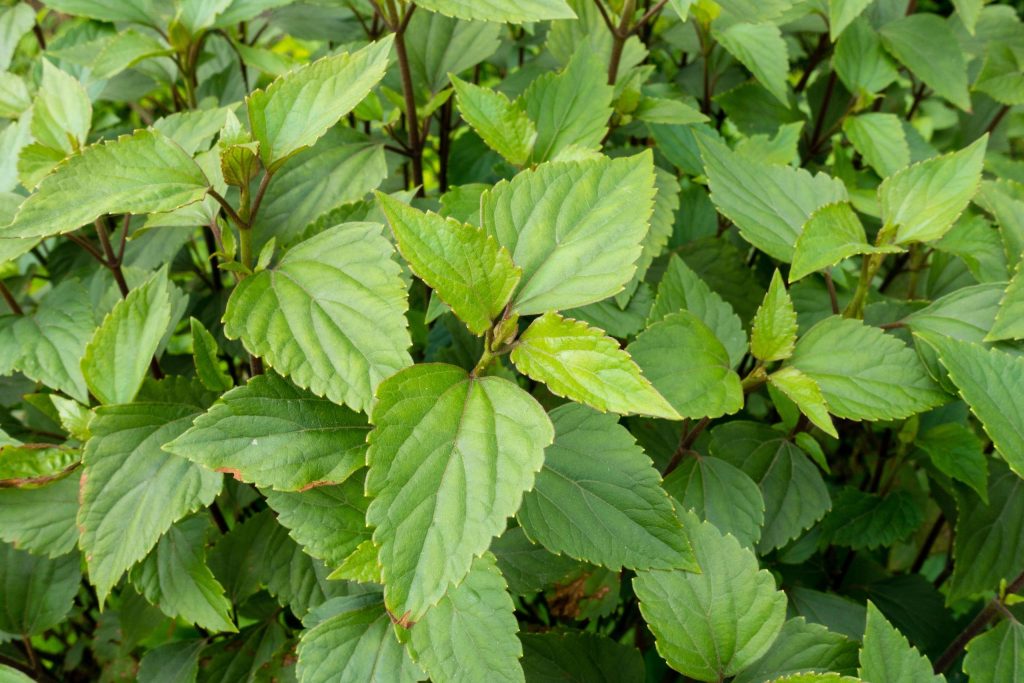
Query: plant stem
pixel 11 301
pixel 619 36
pixel 686 441
pixel 831 286
pixel 997 118
pixel 398 25
pixel 869 266
pixel 976 626
pixel 929 542
pixel 228 209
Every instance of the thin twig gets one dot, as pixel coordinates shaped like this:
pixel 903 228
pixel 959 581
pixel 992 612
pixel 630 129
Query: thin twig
pixel 685 442
pixel 976 626
pixel 831 286
pixel 228 209
pixel 648 15
pixel 11 301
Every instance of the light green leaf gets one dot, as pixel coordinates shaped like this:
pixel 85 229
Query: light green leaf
pixel 688 366
pixel 997 655
pixel 362 566
pixel 193 130
pixel 125 50
pixel 861 62
pixel 802 647
pixel 864 373
pixel 297 109
pixel 922 42
pixel 329 522
pixel 1009 322
pixel 924 200
pixel 864 521
pixel 450 458
pixel 1001 76
pixel 15 21
pixel 806 394
pixel 990 381
pixel 139 11
pixel 504 126
pixel 841 13
pixel 139 173
pixel 599 499
pixel 463 264
pixel 119 354
pixel 832 233
pixel 174 577
pixel 761 49
pixel 14 98
pixel 438 46
pixel 38 592
pixel 330 315
pixel 522 11
pixel 41 520
pixel 470 635
pixel 244 10
pixel 957 452
pixel 174 662
pixel 273 434
pixel 773 330
pixel 132 491
pixel 721 494
pixel 583 364
pixel 887 657
pixel 35 463
pixel 714 624
pixel 356 645
pixel 682 289
pixel 205 352
pixel 566 226
pixel 579 657
pixel 570 109
pixel 663 221
pixel 879 138
pixel 767 202
pixel 62 112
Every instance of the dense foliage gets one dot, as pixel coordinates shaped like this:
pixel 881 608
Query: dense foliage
pixel 511 340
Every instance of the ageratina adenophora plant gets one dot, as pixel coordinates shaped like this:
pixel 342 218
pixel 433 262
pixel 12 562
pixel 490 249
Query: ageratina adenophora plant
pixel 511 340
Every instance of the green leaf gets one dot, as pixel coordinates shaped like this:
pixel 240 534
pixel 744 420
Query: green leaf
pixel 41 520
pixel 714 624
pixel 880 139
pixel 996 655
pixel 924 200
pixel 841 13
pixel 356 645
pixel 922 43
pixel 273 434
pixel 795 497
pixel 833 232
pixel 132 491
pixel 598 489
pixel 139 173
pixel 887 657
pixel 463 264
pixel 330 315
pixel 773 330
pixel 663 220
pixel 119 354
pixel 861 62
pixel 720 493
pixel 1000 76
pixel 440 45
pixel 864 373
pixel 570 109
pixel 35 464
pixel 522 11
pixel 14 98
pixel 174 576
pixel 62 112
pixel 689 367
pixel 142 12
pixel 38 592
pixel 125 50
pixel 682 289
pixel 583 364
pixel 470 635
pixel 450 458
pixel 989 543
pixel 768 203
pixel 1009 322
pixel 806 394
pixel 579 657
pixel 15 22
pixel 565 226
pixel 761 49
pixel 990 381
pixel 297 109
pixel 802 647
pixel 329 522
pixel 958 453
pixel 527 566
pixel 205 352
pixel 174 662
pixel 864 521
pixel 504 126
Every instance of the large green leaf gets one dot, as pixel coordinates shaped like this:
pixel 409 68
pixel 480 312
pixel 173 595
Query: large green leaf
pixel 688 366
pixel 860 61
pixel 61 112
pixel 470 635
pixel 140 173
pixel 761 49
pixel 997 655
pixel 841 13
pixel 957 452
pixel 861 520
pixel 330 315
pixel 575 228
pixel 38 591
pixel 887 657
pixel 720 493
pixel 174 662
pixel 579 657
pixel 713 624
pixel 767 202
pixel 991 381
pixel 438 46
pixel 923 43
pixel 832 233
pixel 272 434
pixel 518 12
pixel 924 200
pixel 132 491
pixel 1009 322
pixel 583 364
pixel 464 265
pixel 140 11
pixel 663 221
pixel 599 499
pixel 880 139
pixel 119 353
pixel 450 458
pixel 297 109
pixel 773 330
pixel 503 125
pixel 41 520
pixel 863 373
pixel 802 647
